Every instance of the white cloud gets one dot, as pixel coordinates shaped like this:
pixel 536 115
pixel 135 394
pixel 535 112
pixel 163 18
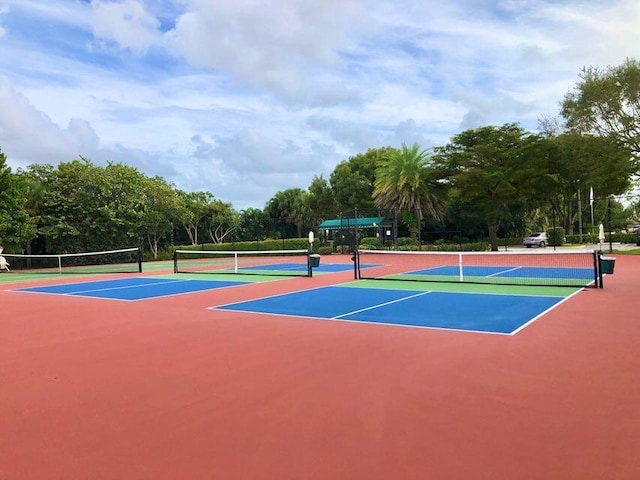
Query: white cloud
pixel 242 168
pixel 287 46
pixel 27 136
pixel 246 98
pixel 26 133
pixel 251 153
pixel 126 23
pixel 3 10
pixel 70 13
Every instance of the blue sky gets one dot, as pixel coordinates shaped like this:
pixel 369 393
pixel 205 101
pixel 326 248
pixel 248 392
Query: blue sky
pixel 244 98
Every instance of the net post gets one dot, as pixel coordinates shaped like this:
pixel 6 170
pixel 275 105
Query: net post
pixel 309 252
pixel 356 264
pixel 597 265
pixel 460 269
pixel 60 264
pixel 175 261
pixel 139 259
pixel 235 262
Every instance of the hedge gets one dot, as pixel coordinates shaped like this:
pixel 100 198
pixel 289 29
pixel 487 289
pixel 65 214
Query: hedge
pixel 166 253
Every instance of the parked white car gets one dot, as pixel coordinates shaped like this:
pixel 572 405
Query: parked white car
pixel 538 239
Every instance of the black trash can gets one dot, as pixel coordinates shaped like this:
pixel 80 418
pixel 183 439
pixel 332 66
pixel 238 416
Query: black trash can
pixel 607 264
pixel 314 260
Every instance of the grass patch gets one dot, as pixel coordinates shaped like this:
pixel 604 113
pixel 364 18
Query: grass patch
pixel 635 251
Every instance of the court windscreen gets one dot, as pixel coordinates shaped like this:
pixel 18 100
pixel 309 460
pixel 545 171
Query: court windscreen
pixel 543 268
pixel 260 262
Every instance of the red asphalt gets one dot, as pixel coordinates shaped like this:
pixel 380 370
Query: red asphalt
pixel 167 388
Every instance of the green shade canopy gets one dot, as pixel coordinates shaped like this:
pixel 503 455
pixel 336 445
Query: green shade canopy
pixel 364 222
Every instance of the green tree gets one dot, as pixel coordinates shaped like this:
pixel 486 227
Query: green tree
pixel 494 170
pixel 254 224
pixel 161 208
pixel 352 180
pixel 321 202
pixel 122 204
pixel 405 182
pixel 197 206
pixel 581 162
pixel 289 211
pixel 606 102
pixel 37 178
pixel 84 207
pixel 17 227
pixel 221 221
pixel 72 207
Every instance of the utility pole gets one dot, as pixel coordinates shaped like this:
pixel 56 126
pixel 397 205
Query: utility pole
pixel 579 215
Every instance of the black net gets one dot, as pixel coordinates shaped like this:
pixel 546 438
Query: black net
pixel 536 268
pixel 113 261
pixel 263 262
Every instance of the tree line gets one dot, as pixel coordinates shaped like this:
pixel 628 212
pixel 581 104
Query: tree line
pixel 490 173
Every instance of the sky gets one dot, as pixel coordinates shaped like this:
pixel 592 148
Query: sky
pixel 245 98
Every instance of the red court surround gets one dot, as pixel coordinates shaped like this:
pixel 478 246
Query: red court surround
pixel 169 389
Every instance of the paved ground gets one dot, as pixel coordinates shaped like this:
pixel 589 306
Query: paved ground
pixel 605 247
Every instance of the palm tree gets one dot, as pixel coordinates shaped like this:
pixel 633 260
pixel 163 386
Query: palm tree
pixel 405 182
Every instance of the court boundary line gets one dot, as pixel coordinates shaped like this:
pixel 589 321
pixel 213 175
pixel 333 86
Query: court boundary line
pixel 351 285
pixel 273 296
pixel 498 275
pixel 236 284
pixel 541 314
pixel 126 286
pixel 339 319
pixel 367 322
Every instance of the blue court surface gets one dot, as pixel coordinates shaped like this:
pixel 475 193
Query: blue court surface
pixel 301 267
pixel 510 272
pixel 488 313
pixel 138 288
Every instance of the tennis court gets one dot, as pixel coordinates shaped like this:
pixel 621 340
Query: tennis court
pixel 489 311
pixel 561 269
pixel 257 262
pixel 296 268
pixel 144 288
pixel 322 377
pixel 502 271
pixel 127 260
pixel 131 289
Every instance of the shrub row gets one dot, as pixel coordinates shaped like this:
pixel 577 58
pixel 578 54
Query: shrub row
pixel 261 245
pixel 592 238
pixel 436 247
pixel 270 244
pixel 404 243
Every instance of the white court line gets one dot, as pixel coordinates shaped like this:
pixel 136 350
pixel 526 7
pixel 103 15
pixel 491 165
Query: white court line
pixel 503 271
pixel 524 325
pixel 221 307
pixel 366 322
pixel 382 304
pixel 233 285
pixel 298 267
pixel 128 286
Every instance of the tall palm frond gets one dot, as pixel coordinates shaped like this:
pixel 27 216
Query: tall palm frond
pixel 404 182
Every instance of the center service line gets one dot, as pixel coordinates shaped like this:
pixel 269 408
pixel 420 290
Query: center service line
pixel 382 304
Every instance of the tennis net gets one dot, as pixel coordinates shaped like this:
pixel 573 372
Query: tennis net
pixel 571 269
pixel 258 262
pixel 128 260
